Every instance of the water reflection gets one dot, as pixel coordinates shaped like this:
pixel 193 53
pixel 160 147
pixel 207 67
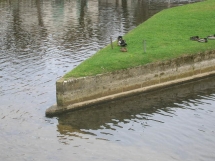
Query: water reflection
pixel 141 109
pixel 40 40
pixel 176 121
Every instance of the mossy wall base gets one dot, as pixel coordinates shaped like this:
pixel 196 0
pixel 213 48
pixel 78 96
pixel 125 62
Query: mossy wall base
pixel 75 93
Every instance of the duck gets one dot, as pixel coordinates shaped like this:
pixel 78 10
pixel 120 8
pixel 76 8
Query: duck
pixel 123 43
pixel 119 39
pixel 203 40
pixel 194 38
pixel 211 37
pixel 123 49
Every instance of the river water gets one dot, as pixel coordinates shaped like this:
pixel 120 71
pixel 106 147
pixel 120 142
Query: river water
pixel 41 40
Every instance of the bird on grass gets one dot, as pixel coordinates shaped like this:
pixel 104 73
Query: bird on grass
pixel 119 39
pixel 123 49
pixel 194 38
pixel 211 37
pixel 123 43
pixel 203 40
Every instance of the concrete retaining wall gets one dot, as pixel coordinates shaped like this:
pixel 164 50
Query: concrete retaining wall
pixel 78 92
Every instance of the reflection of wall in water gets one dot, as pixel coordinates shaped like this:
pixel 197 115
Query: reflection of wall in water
pixel 145 104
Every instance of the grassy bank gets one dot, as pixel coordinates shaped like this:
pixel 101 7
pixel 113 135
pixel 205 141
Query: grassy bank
pixel 166 34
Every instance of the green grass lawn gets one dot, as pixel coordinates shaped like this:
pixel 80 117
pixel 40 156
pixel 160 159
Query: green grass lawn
pixel 167 35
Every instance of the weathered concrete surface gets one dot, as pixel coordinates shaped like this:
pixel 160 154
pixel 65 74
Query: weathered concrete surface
pixel 126 108
pixel 81 92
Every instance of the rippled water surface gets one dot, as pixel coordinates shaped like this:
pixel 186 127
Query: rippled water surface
pixel 41 40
